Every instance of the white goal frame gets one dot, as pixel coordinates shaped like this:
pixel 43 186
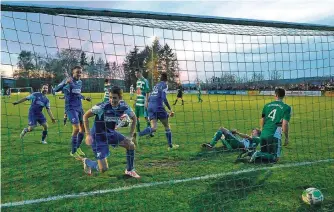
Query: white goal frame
pixel 19 90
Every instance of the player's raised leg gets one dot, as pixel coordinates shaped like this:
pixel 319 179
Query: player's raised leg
pixel 26 130
pixel 217 136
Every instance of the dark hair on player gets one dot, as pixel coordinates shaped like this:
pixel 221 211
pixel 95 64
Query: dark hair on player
pixel 106 81
pixel 116 90
pixel 280 92
pixel 164 77
pixel 76 67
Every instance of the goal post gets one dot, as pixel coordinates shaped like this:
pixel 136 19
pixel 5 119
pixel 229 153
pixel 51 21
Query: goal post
pixel 21 90
pixel 227 70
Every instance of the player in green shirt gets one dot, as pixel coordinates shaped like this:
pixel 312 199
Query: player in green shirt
pixel 106 89
pixel 232 139
pixel 275 120
pixel 142 91
pixel 199 94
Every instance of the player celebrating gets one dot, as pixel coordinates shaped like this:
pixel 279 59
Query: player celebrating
pixel 141 100
pixel 131 92
pixel 71 87
pixel 104 134
pixel 106 90
pixel 199 94
pixel 232 139
pixel 275 119
pixel 38 102
pixel 179 94
pixel 156 110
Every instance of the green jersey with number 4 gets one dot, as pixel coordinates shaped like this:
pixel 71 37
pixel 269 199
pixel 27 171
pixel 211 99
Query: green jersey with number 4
pixel 273 114
pixel 142 89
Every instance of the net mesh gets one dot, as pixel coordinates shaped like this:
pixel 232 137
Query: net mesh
pixel 227 70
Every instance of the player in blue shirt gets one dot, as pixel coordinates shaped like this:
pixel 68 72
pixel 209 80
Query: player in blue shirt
pixel 38 102
pixel 71 88
pixel 156 110
pixel 103 133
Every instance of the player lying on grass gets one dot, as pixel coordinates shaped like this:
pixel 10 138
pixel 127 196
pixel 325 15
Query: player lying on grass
pixel 232 139
pixel 275 120
pixel 71 88
pixel 38 102
pixel 103 133
pixel 157 111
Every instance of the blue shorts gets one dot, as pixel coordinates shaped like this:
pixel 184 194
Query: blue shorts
pixel 75 116
pixel 100 145
pixel 162 114
pixel 33 119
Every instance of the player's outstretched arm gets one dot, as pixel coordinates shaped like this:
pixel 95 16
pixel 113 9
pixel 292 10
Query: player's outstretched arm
pixel 20 101
pixel 62 84
pixel 241 134
pixel 88 99
pixel 51 115
pixel 86 116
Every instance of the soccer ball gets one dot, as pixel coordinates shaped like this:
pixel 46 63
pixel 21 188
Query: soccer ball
pixel 312 196
pixel 124 121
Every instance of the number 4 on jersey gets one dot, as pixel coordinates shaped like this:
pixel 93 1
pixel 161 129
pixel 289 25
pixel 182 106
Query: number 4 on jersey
pixel 272 114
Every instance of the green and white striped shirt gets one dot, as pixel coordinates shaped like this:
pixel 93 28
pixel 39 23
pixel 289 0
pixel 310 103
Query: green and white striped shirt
pixel 106 93
pixel 142 89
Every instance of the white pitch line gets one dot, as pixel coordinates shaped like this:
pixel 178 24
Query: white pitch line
pixel 144 185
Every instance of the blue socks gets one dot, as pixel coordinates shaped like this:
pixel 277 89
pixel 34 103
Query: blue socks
pixel 92 164
pixel 130 157
pixel 147 131
pixel 74 143
pixel 44 134
pixel 80 138
pixel 169 138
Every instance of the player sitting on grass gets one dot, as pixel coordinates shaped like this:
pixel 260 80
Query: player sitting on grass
pixel 103 133
pixel 71 88
pixel 232 139
pixel 38 102
pixel 157 111
pixel 275 119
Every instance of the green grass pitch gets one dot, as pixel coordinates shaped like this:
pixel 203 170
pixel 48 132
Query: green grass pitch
pixel 30 170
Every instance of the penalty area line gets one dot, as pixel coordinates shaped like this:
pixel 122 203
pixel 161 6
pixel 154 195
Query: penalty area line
pixel 152 184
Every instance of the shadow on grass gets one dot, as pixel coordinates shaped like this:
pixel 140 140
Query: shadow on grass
pixel 227 193
pixel 326 206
